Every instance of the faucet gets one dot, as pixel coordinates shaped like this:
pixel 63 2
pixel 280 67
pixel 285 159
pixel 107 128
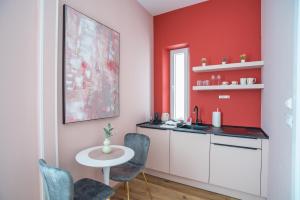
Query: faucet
pixel 196 110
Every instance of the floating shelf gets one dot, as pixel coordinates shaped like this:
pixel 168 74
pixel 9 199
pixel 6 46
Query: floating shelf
pixel 229 87
pixel 230 66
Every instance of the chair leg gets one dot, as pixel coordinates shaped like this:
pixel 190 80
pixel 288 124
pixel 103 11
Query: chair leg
pixel 148 188
pixel 128 190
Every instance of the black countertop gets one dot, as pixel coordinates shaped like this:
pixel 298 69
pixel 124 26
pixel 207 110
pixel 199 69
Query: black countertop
pixel 232 131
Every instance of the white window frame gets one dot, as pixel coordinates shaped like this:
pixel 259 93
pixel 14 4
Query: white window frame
pixel 187 81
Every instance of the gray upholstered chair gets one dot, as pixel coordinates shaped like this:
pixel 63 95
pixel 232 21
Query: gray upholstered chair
pixel 126 172
pixel 58 185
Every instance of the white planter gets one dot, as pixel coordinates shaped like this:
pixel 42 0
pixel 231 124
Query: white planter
pixel 203 64
pixel 242 61
pixel 106 146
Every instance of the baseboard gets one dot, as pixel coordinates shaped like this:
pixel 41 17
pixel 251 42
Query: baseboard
pixel 204 186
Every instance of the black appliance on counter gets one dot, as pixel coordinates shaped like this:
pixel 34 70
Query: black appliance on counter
pixel 156 119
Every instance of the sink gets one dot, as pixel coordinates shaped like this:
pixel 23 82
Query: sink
pixel 195 127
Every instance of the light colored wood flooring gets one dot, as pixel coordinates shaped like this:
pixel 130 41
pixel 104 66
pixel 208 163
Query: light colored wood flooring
pixel 162 189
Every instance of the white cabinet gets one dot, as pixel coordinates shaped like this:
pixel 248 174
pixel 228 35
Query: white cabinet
pixel 189 155
pixel 159 150
pixel 235 163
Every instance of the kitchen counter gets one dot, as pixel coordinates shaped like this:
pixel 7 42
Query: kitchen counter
pixel 231 131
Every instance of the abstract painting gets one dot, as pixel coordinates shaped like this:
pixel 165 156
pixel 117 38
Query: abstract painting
pixel 91 60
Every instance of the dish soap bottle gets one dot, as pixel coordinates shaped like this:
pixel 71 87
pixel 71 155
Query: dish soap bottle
pixel 216 118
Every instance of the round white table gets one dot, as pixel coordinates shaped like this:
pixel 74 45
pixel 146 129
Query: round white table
pixel 94 157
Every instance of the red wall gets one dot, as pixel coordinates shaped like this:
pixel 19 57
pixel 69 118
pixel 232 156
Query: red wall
pixel 213 29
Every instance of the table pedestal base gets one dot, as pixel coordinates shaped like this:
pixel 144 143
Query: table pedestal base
pixel 106 171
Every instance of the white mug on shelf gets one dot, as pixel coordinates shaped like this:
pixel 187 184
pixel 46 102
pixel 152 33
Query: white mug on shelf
pixel 251 81
pixel 243 81
pixel 225 83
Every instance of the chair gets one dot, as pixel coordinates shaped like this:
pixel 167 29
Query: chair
pixel 126 172
pixel 58 185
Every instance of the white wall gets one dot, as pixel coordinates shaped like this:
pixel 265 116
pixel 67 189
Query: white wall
pixel 19 100
pixel 135 26
pixel 296 138
pixel 19 86
pixel 50 54
pixel 278 40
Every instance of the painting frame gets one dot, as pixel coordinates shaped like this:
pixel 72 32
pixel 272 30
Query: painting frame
pixel 66 120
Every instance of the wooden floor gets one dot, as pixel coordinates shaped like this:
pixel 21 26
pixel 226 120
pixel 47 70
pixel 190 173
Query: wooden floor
pixel 162 189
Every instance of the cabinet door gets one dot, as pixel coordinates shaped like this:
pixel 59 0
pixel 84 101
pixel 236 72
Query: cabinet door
pixel 159 150
pixel 235 167
pixel 189 155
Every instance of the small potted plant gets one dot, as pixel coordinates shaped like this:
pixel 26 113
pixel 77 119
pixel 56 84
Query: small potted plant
pixel 203 61
pixel 243 57
pixel 224 60
pixel 107 135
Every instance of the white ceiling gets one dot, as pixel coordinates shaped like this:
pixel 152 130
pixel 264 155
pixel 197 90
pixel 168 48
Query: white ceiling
pixel 156 7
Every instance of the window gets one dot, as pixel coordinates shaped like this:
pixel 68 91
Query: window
pixel 179 83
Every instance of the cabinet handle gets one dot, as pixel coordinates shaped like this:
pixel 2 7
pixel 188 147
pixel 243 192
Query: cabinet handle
pixel 234 146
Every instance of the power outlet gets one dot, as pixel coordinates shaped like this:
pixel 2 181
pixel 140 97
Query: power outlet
pixel 224 96
pixel 289 120
pixel 289 103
